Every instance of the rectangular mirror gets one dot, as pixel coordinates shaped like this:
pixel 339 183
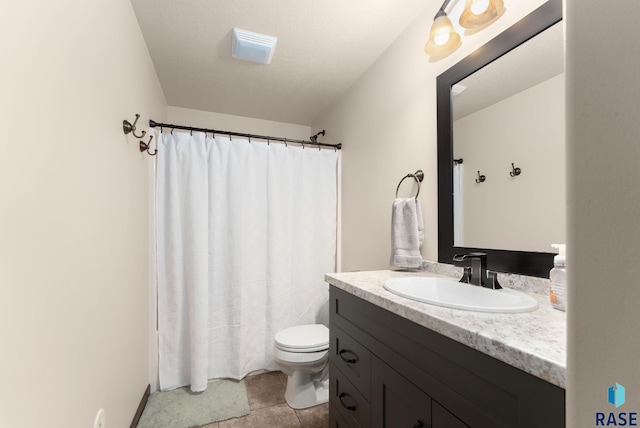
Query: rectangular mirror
pixel 501 162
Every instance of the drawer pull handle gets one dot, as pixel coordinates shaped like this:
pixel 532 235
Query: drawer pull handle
pixel 348 360
pixel 418 425
pixel 345 405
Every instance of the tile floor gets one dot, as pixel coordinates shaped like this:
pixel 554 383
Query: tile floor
pixel 269 410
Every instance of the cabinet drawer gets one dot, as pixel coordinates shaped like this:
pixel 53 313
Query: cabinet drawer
pixel 335 418
pixel 353 359
pixel 351 404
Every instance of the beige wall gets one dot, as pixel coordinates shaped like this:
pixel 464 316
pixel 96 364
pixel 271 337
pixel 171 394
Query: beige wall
pixel 73 213
pixel 387 124
pixel 603 188
pixel 228 122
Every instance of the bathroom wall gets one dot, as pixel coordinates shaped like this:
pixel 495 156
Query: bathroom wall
pixel 73 213
pixel 603 188
pixel 227 122
pixel 387 124
pixel 527 129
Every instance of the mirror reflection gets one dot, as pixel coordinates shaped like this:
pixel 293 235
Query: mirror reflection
pixel 508 129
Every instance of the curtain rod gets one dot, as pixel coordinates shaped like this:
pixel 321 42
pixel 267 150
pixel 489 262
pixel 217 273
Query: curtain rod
pixel 154 124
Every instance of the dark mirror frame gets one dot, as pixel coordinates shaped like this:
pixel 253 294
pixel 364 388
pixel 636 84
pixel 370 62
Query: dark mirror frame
pixel 519 262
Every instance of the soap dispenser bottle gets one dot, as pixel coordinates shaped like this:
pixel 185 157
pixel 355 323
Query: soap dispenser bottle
pixel 558 276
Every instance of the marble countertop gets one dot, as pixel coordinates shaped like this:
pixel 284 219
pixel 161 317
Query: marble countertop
pixel 534 342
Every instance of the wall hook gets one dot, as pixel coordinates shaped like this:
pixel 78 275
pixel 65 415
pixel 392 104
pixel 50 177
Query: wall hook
pixel 481 178
pixel 146 147
pixel 314 138
pixel 515 171
pixel 128 127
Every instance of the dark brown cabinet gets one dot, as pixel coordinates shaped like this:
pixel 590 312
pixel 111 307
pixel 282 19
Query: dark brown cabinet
pixel 396 402
pixel 386 371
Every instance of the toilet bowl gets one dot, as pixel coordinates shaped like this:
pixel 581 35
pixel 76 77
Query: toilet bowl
pixel 302 353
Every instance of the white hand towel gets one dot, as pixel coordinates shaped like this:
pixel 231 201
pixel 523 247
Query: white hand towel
pixel 407 233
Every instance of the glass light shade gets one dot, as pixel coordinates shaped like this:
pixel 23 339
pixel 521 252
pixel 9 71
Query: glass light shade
pixel 479 12
pixel 443 38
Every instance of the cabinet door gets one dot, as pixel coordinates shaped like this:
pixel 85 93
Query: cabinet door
pixel 396 402
pixel 442 418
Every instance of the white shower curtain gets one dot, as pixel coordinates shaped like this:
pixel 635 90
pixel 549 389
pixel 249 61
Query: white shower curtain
pixel 245 233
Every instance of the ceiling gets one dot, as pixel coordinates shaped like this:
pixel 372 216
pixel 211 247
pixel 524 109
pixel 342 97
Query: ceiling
pixel 323 48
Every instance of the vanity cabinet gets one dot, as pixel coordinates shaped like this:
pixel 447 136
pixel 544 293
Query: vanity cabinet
pixel 386 371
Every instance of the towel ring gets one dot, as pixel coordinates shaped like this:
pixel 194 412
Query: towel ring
pixel 418 176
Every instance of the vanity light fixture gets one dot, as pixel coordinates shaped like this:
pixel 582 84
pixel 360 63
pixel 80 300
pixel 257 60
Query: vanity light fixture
pixel 443 38
pixel 478 13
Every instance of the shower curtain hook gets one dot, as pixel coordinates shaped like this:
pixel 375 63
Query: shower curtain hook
pixel 268 141
pixel 285 143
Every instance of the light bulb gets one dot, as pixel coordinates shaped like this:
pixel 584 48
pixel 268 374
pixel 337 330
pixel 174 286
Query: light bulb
pixel 479 6
pixel 478 13
pixel 443 38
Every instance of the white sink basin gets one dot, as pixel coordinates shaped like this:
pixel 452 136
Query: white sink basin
pixel 453 294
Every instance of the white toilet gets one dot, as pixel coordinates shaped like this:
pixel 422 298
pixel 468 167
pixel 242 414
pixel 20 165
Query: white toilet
pixel 302 353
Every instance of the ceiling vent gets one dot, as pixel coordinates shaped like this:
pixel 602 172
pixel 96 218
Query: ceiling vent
pixel 252 46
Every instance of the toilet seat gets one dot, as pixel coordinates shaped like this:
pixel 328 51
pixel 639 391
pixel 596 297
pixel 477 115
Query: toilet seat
pixel 298 358
pixel 303 338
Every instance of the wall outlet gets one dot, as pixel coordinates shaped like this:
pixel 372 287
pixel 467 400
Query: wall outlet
pixel 100 421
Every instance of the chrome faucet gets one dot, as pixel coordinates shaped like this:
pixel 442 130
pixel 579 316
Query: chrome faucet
pixel 477 273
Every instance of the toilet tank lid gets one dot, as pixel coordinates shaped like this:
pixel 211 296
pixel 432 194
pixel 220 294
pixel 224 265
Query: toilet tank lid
pixel 303 336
